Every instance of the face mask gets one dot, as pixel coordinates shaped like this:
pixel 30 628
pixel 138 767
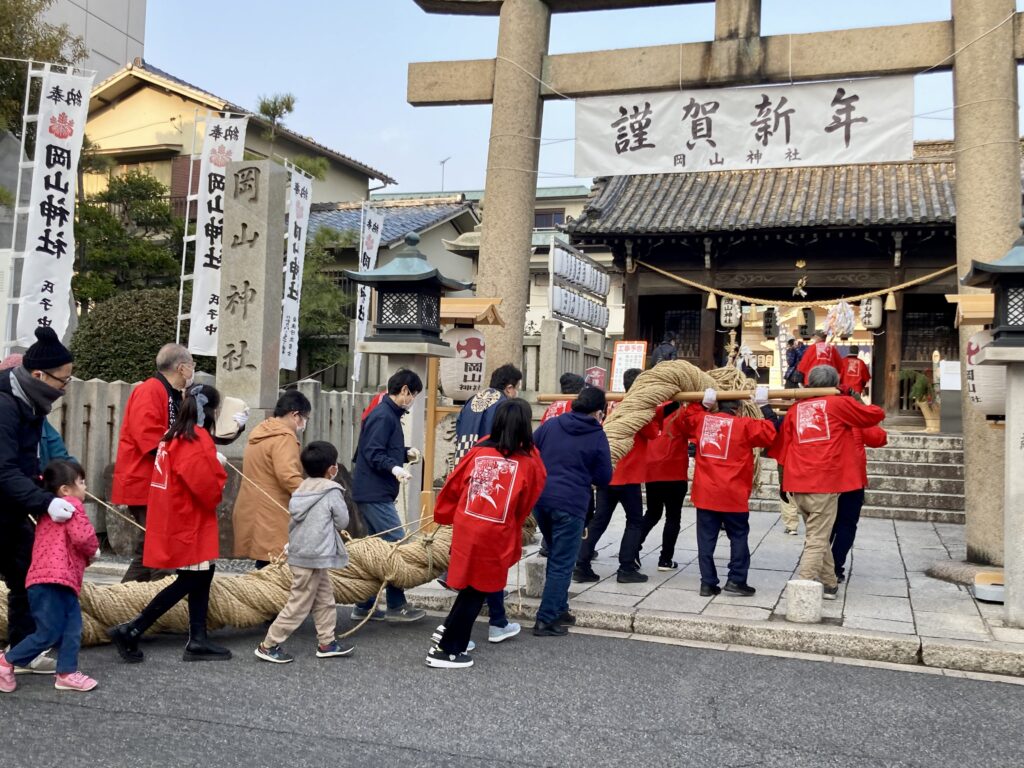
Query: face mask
pixel 190 381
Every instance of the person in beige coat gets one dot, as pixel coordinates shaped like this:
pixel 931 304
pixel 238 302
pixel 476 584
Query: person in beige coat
pixel 271 462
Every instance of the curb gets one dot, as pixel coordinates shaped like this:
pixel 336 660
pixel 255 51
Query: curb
pixel 819 639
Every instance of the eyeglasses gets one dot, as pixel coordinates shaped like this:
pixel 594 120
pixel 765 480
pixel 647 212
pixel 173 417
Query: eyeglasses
pixel 63 380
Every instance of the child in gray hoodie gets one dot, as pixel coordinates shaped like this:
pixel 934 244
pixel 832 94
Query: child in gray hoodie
pixel 318 512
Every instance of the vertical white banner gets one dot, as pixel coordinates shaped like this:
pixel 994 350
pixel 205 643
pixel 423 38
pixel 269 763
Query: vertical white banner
pixel 49 231
pixel 223 141
pixel 299 201
pixel 369 243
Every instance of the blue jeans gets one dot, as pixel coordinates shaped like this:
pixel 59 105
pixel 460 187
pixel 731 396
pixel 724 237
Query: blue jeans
pixel 563 532
pixel 737 528
pixel 58 618
pixel 844 530
pixel 381 516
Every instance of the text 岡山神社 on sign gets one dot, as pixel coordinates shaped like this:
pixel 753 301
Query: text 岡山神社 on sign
pixel 730 129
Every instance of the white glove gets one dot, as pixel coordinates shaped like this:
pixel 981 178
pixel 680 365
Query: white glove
pixel 401 474
pixel 222 459
pixel 413 455
pixel 761 395
pixel 60 511
pixel 710 398
pixel 241 418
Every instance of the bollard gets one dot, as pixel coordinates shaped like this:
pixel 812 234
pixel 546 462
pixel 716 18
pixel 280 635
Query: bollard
pixel 536 569
pixel 803 601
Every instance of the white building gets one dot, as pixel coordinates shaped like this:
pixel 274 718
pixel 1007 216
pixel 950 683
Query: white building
pixel 114 30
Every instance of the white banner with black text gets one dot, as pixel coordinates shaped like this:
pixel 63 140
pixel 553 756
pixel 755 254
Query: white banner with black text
pixel 49 262
pixel 369 243
pixel 731 129
pixel 299 200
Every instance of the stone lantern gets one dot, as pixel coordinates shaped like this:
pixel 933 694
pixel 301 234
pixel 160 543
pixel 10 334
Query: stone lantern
pixel 408 301
pixel 1006 280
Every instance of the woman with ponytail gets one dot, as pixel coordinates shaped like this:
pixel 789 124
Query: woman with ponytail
pixel 188 480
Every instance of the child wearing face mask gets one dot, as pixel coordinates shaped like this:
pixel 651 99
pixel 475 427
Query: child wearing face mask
pixel 318 512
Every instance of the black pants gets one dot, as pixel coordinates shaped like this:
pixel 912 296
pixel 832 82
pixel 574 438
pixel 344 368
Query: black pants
pixel 737 528
pixel 844 530
pixel 16 537
pixel 665 495
pixel 459 624
pixel 608 498
pixel 136 570
pixel 193 584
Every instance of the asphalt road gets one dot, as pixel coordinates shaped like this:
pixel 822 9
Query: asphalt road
pixel 577 701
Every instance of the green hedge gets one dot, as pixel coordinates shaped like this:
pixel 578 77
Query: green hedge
pixel 120 337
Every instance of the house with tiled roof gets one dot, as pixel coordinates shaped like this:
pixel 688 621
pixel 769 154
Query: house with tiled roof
pixel 144 118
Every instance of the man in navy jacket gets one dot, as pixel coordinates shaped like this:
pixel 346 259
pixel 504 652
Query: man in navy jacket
pixel 379 470
pixel 575 452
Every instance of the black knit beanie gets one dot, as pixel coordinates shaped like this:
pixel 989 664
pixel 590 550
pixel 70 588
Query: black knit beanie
pixel 47 353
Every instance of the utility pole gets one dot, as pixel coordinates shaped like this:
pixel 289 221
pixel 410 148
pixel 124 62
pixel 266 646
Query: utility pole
pixel 442 162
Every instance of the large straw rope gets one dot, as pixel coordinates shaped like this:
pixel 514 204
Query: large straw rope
pixel 257 597
pixel 662 382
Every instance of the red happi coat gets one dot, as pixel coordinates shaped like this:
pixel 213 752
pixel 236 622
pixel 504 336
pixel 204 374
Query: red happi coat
pixel 819 353
pixel 634 467
pixel 872 437
pixel 668 458
pixel 181 519
pixel 377 399
pixel 853 374
pixel 818 449
pixel 723 471
pixel 556 409
pixel 486 499
pixel 144 425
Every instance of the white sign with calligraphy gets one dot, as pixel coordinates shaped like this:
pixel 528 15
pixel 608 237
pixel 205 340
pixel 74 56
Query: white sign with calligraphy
pixel 369 243
pixel 299 200
pixel 730 129
pixel 223 141
pixel 49 231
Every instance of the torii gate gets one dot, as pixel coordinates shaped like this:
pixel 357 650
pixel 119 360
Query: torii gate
pixel 981 43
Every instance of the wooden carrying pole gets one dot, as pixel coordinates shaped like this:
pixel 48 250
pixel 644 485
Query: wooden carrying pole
pixel 696 397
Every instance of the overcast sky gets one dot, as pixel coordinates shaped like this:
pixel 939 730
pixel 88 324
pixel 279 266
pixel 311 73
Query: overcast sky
pixel 346 63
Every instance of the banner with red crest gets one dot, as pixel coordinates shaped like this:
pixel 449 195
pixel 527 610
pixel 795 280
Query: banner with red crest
pixel 50 226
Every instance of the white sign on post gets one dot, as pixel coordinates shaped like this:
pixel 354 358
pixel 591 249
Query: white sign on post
pixel 299 200
pixel 730 129
pixel 223 141
pixel 369 243
pixel 49 231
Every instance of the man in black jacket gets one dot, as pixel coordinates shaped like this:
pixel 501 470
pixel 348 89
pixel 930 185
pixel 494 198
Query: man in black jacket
pixel 27 393
pixel 380 469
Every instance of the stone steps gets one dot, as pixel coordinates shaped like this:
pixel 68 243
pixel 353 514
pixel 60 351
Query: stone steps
pixel 922 440
pixel 885 513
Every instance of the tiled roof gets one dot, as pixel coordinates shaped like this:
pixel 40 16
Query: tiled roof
pixel 918 192
pixel 140 64
pixel 400 218
pixel 477 195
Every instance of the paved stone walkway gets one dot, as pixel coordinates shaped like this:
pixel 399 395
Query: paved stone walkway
pixel 887 594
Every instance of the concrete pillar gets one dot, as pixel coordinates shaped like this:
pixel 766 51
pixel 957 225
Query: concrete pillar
pixel 804 600
pixel 988 207
pixel 1013 570
pixel 511 188
pixel 249 338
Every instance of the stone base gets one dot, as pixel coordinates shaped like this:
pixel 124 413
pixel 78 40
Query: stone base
pixel 803 601
pixel 536 571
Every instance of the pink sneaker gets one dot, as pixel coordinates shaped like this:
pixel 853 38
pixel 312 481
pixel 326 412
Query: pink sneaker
pixel 7 681
pixel 74 681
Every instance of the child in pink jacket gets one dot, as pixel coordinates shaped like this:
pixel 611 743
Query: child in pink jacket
pixel 59 557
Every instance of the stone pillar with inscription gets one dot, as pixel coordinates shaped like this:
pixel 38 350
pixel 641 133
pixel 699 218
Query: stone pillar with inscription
pixel 249 338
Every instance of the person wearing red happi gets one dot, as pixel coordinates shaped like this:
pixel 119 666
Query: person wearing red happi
pixel 485 499
pixel 668 463
pixel 186 487
pixel 853 372
pixel 819 352
pixel 625 489
pixel 569 384
pixel 822 461
pixel 844 531
pixel 723 476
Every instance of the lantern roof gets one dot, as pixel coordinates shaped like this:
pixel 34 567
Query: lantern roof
pixel 409 265
pixel 982 274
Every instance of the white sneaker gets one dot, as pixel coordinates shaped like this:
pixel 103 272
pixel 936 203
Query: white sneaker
pixel 499 634
pixel 43 664
pixel 439 633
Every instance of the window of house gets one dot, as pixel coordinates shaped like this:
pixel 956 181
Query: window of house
pixel 548 219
